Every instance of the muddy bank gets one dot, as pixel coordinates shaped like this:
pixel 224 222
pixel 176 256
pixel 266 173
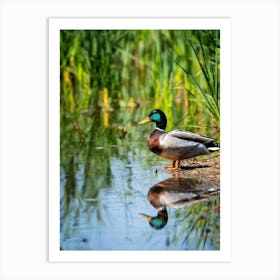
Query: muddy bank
pixel 207 169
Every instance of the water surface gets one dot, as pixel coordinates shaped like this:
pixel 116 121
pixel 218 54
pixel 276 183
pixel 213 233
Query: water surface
pixel 106 174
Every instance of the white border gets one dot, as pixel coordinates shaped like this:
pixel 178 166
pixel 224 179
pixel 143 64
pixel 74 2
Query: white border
pixel 24 123
pixel 55 25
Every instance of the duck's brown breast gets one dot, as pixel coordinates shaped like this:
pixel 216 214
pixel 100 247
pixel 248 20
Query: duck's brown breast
pixel 153 141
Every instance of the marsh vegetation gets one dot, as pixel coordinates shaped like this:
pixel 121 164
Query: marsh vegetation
pixel 110 80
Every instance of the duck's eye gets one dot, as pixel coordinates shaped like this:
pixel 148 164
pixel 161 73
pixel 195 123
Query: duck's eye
pixel 155 117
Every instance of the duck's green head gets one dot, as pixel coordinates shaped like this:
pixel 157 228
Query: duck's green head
pixel 158 222
pixel 156 116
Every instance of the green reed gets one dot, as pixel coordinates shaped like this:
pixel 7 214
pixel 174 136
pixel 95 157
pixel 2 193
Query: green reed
pixel 203 69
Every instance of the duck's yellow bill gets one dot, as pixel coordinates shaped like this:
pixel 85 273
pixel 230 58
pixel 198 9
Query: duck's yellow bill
pixel 146 120
pixel 146 217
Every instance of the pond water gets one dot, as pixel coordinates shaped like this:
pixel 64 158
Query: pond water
pixel 106 174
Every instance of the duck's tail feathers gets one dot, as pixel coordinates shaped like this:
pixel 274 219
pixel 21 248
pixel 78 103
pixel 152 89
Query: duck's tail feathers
pixel 213 147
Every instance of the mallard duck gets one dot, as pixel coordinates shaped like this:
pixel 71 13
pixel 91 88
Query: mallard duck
pixel 176 144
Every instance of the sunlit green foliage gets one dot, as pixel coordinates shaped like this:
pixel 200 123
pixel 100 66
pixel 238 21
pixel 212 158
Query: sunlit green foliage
pixel 173 69
pixel 204 69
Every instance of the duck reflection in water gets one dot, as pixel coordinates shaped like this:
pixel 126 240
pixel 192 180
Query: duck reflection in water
pixel 159 221
pixel 177 193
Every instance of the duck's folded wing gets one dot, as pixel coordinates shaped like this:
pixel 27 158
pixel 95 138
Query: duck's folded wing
pixel 188 136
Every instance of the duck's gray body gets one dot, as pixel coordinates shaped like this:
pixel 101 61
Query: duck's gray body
pixel 179 144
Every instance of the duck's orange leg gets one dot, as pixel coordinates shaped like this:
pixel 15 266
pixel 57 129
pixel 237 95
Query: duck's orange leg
pixel 173 165
pixel 179 164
